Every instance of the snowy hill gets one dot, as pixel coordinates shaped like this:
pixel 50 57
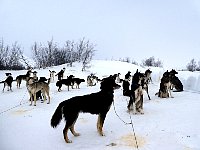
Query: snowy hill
pixel 171 124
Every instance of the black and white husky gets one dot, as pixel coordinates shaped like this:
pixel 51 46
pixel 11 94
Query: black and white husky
pixel 136 101
pixel 165 86
pixel 8 82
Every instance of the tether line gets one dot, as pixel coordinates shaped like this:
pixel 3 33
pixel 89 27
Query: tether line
pixel 126 123
pixel 15 105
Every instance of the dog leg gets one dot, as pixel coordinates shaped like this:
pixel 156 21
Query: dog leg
pixel 65 131
pixel 44 94
pixel 138 106
pixel 131 101
pixel 134 109
pixel 72 129
pixel 43 98
pixel 148 96
pixel 19 83
pixel 34 99
pixel 141 102
pixel 31 98
pixel 8 88
pixel 161 95
pixel 48 98
pixel 130 104
pixel 136 103
pixel 170 93
pixel 70 121
pixel 147 90
pixel 3 87
pixel 141 105
pixel 100 123
pixel 11 88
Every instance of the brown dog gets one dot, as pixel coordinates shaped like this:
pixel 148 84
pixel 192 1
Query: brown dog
pixel 34 87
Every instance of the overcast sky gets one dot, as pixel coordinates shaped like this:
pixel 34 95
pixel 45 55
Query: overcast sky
pixel 168 30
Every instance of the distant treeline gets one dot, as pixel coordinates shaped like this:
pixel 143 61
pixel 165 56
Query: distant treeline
pixel 191 66
pixel 51 54
pixel 12 57
pixel 146 62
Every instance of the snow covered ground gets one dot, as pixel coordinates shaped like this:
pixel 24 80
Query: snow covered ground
pixel 167 124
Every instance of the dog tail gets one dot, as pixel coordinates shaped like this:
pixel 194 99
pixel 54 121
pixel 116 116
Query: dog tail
pixel 2 81
pixel 57 116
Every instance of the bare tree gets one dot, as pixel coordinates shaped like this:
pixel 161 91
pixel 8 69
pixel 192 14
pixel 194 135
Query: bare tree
pixel 127 59
pixel 191 66
pixel 52 54
pixel 3 54
pixel 59 56
pixel 25 60
pixel 37 54
pixel 14 57
pixel 44 55
pixel 151 62
pixel 134 62
pixel 70 52
pixel 87 55
pixel 10 56
pixel 49 50
pixel 158 63
pixel 198 67
pixel 80 48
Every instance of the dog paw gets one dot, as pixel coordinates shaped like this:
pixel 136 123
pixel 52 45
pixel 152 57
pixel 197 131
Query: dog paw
pixel 135 113
pixel 77 134
pixel 101 134
pixel 141 111
pixel 129 108
pixel 68 141
pixel 128 111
